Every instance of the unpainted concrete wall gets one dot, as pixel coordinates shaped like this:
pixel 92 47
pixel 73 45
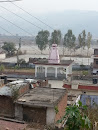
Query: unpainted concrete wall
pixel 50 116
pixel 18 112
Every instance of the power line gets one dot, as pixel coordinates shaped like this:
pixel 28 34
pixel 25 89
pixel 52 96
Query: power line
pixel 6 31
pixel 16 25
pixel 21 17
pixel 9 1
pixel 13 35
pixel 32 15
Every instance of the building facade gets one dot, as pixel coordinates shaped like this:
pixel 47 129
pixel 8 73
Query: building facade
pixel 95 62
pixel 53 67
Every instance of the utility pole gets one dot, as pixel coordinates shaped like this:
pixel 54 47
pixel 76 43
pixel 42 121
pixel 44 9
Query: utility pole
pixel 19 43
pixel 18 51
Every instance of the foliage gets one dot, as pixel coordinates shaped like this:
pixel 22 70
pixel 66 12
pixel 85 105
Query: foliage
pixel 2 68
pixel 76 118
pixel 16 67
pixel 85 72
pixel 93 113
pixel 15 93
pixel 42 39
pixel 56 37
pixel 56 109
pixel 69 39
pixel 89 38
pixel 9 47
pixel 21 62
pixel 82 39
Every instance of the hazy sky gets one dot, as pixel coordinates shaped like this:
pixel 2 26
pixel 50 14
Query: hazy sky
pixel 45 6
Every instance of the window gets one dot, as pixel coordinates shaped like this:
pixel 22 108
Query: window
pixel 96 62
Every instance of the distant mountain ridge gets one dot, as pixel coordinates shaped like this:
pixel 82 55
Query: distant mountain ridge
pixel 75 20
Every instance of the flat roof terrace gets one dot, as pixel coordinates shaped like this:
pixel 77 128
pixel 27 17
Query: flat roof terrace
pixel 45 62
pixel 42 97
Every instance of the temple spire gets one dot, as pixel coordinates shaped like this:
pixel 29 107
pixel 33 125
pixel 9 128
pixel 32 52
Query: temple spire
pixel 54 54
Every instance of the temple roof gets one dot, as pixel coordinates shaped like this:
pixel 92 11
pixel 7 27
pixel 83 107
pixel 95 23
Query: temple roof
pixel 45 62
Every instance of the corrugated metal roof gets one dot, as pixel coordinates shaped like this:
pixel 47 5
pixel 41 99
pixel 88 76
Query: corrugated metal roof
pixel 6 91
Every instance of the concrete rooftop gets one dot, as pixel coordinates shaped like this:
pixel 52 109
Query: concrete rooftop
pixel 42 97
pixel 45 62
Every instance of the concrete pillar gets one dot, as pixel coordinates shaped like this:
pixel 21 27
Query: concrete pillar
pixel 50 116
pixel 67 71
pixel 45 71
pixel 18 112
pixel 56 72
pixel 35 71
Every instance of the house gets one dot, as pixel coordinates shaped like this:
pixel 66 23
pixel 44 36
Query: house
pixel 95 62
pixel 53 67
pixel 8 94
pixel 2 54
pixel 38 105
pixel 79 87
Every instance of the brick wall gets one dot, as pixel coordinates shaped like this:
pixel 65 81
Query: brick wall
pixel 24 89
pixel 36 115
pixel 94 64
pixel 67 86
pixel 87 87
pixel 61 107
pixel 6 106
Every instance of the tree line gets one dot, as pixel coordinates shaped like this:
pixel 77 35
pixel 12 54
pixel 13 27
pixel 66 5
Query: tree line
pixel 44 38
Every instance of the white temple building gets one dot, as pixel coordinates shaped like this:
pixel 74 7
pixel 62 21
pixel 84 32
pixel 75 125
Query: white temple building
pixel 53 67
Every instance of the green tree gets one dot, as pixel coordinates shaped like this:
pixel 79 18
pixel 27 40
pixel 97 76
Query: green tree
pixel 75 118
pixel 56 37
pixel 42 39
pixel 82 39
pixel 89 38
pixel 2 68
pixel 9 47
pixel 69 40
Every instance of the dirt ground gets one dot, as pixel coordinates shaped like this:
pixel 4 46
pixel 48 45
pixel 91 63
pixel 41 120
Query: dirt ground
pixel 32 51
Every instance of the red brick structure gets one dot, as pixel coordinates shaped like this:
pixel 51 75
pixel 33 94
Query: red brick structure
pixel 36 115
pixel 38 105
pixel 61 107
pixel 88 87
pixel 7 97
pixel 82 86
pixel 7 106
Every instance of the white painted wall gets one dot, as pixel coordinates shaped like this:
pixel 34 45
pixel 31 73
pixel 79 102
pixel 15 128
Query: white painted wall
pixel 95 70
pixel 2 56
pixel 52 68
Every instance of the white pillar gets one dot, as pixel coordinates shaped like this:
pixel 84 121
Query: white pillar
pixel 35 71
pixel 45 71
pixel 67 71
pixel 56 72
